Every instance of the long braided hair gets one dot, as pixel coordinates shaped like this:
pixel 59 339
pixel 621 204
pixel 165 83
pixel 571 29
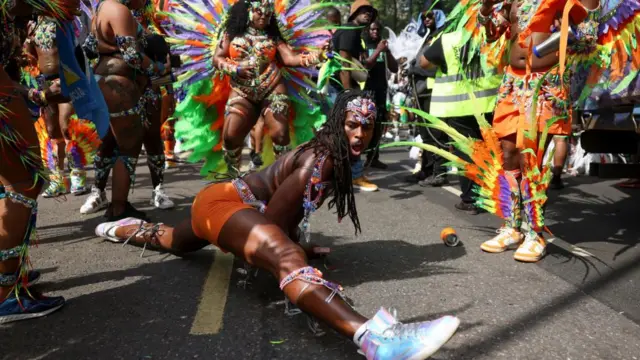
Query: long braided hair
pixel 332 139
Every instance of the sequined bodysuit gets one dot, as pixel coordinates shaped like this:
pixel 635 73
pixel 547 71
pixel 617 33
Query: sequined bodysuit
pixel 259 49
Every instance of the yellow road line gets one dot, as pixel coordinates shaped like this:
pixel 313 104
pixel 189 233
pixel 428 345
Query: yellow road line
pixel 210 313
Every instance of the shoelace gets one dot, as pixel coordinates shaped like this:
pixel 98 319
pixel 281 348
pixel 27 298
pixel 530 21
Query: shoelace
pixel 142 230
pixel 402 330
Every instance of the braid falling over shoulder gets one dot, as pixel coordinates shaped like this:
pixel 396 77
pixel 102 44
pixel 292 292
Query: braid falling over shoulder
pixel 331 138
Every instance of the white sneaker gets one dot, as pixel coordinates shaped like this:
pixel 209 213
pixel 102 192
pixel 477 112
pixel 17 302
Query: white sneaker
pixel 177 149
pixel 96 201
pixel 160 200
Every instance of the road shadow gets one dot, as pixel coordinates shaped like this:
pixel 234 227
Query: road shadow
pixel 143 311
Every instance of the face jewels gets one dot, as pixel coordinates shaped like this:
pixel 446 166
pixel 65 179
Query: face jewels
pixel 364 110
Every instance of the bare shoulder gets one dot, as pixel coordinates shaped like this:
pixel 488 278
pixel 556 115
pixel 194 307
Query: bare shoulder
pixel 113 10
pixel 311 157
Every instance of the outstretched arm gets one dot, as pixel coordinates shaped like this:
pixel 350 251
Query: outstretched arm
pixel 291 59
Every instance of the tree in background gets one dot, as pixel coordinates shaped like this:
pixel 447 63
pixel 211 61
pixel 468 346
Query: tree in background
pixel 396 14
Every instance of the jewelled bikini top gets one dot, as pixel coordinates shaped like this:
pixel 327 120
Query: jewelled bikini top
pixel 255 45
pixel 526 10
pixel 45 33
pixel 309 203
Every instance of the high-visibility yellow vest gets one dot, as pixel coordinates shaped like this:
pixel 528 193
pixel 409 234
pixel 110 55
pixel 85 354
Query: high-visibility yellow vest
pixel 450 96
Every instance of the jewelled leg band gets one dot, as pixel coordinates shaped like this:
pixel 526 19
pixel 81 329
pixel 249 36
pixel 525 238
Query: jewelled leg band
pixel 278 104
pixel 156 167
pixel 130 163
pixel 232 159
pixel 532 206
pixel 103 166
pixel 19 279
pixel 514 177
pixel 311 276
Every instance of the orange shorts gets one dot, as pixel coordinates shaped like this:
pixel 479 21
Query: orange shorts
pixel 212 208
pixel 514 110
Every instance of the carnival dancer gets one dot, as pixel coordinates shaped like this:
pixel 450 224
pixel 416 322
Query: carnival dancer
pixel 514 113
pixel 21 173
pixel 61 133
pixel 260 224
pixel 124 72
pixel 508 163
pixel 160 102
pixel 263 54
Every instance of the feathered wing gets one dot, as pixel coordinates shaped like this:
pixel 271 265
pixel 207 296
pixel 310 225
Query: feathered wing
pixel 193 30
pixel 301 27
pixel 607 75
pixel 495 186
pixel 83 140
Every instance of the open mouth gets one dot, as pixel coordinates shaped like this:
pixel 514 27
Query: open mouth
pixel 356 148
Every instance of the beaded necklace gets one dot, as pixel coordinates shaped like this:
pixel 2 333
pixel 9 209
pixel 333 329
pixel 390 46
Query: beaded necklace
pixel 310 204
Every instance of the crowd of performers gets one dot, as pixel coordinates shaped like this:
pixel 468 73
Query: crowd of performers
pixel 248 67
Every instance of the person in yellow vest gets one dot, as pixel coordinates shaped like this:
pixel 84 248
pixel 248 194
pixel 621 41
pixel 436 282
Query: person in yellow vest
pixel 451 101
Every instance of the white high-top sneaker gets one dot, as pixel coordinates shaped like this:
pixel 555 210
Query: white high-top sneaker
pixel 96 201
pixel 160 199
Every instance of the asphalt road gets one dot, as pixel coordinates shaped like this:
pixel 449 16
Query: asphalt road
pixel 580 302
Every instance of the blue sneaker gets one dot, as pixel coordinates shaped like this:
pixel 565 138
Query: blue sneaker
pixel 388 339
pixel 28 307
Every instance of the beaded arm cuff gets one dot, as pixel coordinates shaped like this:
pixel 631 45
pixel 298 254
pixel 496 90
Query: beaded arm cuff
pixel 227 67
pixel 311 59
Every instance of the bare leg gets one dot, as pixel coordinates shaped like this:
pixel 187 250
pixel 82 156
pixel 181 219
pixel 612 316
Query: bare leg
pixel 249 235
pixel 240 118
pixel 559 159
pixel 257 133
pixel 179 239
pixel 152 141
pixel 15 216
pixel 276 117
pixel 128 134
pixel 122 94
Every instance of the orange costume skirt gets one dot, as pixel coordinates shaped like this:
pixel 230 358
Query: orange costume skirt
pixel 216 203
pixel 515 112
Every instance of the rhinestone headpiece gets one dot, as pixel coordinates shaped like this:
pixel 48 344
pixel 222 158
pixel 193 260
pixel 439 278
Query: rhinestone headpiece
pixel 363 109
pixel 264 6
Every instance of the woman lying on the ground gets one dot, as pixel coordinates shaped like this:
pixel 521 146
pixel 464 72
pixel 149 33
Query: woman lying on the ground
pixel 233 216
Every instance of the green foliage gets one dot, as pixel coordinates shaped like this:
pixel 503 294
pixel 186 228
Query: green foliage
pixel 396 14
